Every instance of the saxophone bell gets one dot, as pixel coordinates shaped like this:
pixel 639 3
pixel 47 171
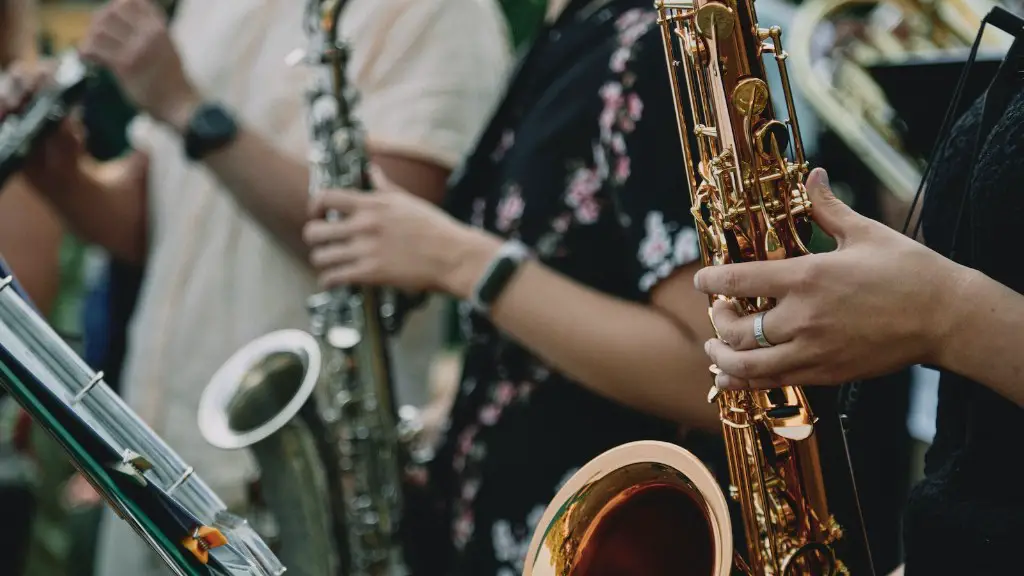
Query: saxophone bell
pixel 260 389
pixel 623 512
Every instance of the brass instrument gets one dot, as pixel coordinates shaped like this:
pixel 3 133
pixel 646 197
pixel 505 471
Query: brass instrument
pixel 846 97
pixel 316 408
pixel 651 508
pixel 141 478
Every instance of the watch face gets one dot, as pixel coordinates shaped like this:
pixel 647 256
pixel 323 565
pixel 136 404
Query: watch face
pixel 213 122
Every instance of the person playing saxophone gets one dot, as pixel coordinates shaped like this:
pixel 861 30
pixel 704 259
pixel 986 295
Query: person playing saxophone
pixel 212 196
pixel 569 241
pixel 883 301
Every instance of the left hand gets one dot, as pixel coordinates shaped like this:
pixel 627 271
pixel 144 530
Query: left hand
pixel 881 301
pixel 391 237
pixel 130 38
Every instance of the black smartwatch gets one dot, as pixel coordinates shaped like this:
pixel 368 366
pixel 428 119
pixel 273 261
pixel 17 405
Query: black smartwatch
pixel 211 127
pixel 501 270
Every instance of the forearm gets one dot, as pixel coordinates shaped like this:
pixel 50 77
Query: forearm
pixel 30 237
pixel 271 186
pixel 985 341
pixel 630 353
pixel 105 204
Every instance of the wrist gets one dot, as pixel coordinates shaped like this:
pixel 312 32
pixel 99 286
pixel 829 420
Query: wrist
pixel 178 112
pixel 953 310
pixel 466 260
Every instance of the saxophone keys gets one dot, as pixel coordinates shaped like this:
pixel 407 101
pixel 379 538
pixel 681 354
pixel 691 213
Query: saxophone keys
pixel 750 96
pixel 715 20
pixel 202 540
pixel 773 248
pixel 772 139
pixel 713 394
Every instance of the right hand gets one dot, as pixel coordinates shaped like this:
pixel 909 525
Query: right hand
pixel 53 162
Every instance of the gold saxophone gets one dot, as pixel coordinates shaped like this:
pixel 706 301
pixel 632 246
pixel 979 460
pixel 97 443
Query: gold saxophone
pixel 652 508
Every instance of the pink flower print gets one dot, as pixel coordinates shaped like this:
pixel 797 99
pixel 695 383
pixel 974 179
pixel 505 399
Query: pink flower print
pixel 622 169
pixel 588 211
pixel 508 138
pixel 626 124
pixel 561 224
pixel 635 106
pixel 504 392
pixel 619 59
pixel 469 489
pixel 525 389
pixel 584 184
pixel 463 527
pixel 687 248
pixel 606 121
pixel 629 18
pixel 489 414
pixel 618 144
pixel 510 208
pixel 477 217
pixel 466 439
pixel 656 245
pixel 611 93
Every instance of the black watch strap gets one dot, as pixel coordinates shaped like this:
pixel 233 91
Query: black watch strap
pixel 211 127
pixel 498 274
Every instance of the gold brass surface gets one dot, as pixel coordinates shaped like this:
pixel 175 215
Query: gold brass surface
pixel 651 508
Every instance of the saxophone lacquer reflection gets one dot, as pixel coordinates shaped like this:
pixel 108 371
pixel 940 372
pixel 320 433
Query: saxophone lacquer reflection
pixel 652 508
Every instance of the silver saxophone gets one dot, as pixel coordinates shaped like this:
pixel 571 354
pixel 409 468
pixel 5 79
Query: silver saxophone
pixel 317 409
pixel 145 482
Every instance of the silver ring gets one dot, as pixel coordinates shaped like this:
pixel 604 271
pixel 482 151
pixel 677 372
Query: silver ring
pixel 759 330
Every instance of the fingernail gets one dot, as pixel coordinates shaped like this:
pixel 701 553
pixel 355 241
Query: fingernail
pixel 696 280
pixel 721 381
pixel 707 347
pixel 824 176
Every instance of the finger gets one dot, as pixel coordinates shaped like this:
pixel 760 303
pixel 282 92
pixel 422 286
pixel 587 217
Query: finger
pixel 319 232
pixel 337 254
pixel 748 279
pixel 766 363
pixel 725 381
pixel 737 330
pixel 103 48
pixel 344 201
pixel 116 23
pixel 835 218
pixel 380 180
pixel 360 272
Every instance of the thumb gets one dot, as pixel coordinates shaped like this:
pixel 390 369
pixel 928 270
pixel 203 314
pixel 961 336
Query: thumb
pixel 835 218
pixel 380 181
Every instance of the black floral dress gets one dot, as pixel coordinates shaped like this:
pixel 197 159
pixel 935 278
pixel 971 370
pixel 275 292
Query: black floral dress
pixel 581 162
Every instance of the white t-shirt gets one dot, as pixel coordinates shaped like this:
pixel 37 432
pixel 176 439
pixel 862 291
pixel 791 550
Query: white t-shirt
pixel 429 73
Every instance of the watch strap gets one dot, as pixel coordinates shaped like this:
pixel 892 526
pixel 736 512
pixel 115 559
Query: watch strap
pixel 499 273
pixel 201 139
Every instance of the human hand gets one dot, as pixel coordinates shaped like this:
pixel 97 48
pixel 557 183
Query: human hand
pixel 393 238
pixel 78 493
pixel 52 162
pixel 879 302
pixel 130 38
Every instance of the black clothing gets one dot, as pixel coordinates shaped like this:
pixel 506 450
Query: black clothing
pixel 582 163
pixel 963 518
